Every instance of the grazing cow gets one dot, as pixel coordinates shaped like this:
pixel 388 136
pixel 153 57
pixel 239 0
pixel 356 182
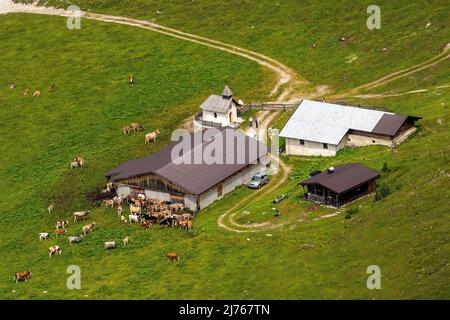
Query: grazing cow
pixel 133 218
pixel 89 228
pixel 188 225
pixel 110 245
pixel 175 207
pixel 22 276
pixel 141 196
pixel 54 250
pixel 37 93
pixel 136 127
pixel 74 165
pixel 44 236
pixel 123 220
pixel 80 215
pixel 127 130
pixel 75 239
pixel 50 208
pixel 172 256
pixel 26 92
pixel 82 163
pixel 126 240
pixel 151 137
pixel 118 200
pixel 120 210
pixel 186 216
pixel 131 79
pixel 167 222
pixel 185 224
pixel 134 209
pixel 145 224
pixel 61 224
pixel 108 203
pixel 109 186
pixel 12 86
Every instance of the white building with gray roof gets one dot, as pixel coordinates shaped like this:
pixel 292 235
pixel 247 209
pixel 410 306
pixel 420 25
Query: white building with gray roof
pixel 218 111
pixel 321 129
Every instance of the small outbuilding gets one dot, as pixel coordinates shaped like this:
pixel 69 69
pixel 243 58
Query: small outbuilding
pixel 340 185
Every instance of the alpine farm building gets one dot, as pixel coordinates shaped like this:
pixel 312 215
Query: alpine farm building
pixel 162 176
pixel 321 129
pixel 340 185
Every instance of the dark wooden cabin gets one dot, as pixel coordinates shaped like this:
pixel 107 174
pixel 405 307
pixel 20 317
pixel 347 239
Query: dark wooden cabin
pixel 340 185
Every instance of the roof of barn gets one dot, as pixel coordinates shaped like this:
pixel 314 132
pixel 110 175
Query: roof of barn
pixel 194 178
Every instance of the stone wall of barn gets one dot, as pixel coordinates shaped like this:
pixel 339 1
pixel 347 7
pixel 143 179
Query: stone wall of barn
pixel 229 185
pixel 356 140
pixel 190 202
pixel 161 196
pixel 123 190
pixel 208 197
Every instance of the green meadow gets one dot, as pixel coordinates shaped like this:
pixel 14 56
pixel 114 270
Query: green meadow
pixel 406 233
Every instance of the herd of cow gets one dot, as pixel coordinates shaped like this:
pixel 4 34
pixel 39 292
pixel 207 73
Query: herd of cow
pixel 145 211
pixel 150 212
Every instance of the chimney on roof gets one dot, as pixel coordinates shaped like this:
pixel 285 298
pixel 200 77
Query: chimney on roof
pixel 227 93
pixel 330 170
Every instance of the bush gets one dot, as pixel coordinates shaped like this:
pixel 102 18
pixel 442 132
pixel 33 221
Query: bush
pixel 385 167
pixel 98 195
pixel 351 212
pixel 382 192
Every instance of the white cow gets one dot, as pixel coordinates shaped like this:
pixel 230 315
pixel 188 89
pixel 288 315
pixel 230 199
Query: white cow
pixel 110 245
pixel 44 236
pixel 133 218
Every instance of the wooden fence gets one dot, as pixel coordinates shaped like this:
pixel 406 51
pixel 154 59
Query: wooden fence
pixel 268 106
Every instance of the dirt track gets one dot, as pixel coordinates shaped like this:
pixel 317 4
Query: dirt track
pixel 286 76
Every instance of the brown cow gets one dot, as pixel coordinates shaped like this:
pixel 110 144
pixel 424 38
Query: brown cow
pixel 54 250
pixel 172 256
pixel 19 276
pixel 88 228
pixel 136 126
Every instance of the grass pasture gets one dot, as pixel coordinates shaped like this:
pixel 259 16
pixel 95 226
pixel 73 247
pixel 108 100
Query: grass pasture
pixel 406 234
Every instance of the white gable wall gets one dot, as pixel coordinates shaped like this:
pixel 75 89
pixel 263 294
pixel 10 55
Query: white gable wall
pixel 310 148
pixel 222 118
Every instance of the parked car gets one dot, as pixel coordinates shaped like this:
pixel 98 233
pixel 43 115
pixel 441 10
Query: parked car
pixel 258 180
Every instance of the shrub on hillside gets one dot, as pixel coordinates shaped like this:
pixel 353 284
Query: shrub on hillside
pixel 385 167
pixel 382 192
pixel 351 212
pixel 98 195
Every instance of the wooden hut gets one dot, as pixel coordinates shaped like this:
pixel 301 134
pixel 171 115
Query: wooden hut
pixel 340 185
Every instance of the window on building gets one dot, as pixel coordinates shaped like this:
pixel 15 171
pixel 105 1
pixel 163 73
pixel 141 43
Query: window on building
pixel 325 145
pixel 302 142
pixel 215 114
pixel 373 141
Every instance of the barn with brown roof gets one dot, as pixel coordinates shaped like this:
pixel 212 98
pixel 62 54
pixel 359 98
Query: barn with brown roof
pixel 340 185
pixel 169 176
